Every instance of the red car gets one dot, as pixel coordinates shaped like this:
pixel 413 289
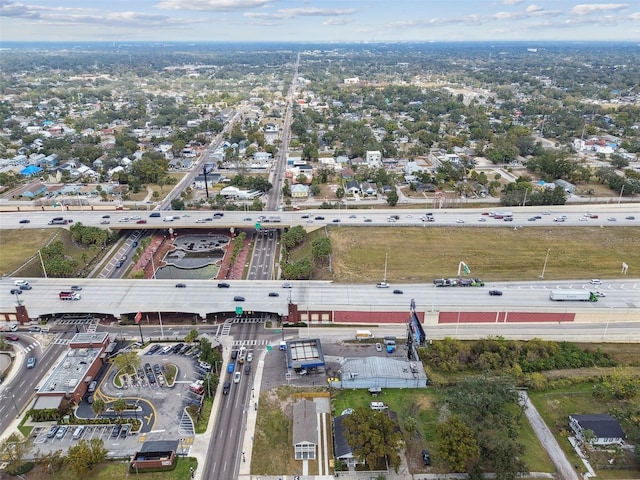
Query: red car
pixel 141 221
pixel 13 338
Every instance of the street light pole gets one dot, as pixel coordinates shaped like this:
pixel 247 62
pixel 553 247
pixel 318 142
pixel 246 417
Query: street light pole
pixel 545 263
pixel 44 270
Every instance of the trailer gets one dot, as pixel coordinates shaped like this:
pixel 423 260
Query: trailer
pixel 69 296
pixel 572 295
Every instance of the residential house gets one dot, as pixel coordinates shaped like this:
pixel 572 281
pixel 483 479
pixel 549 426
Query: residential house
pixel 341 448
pixel 369 189
pixel 300 190
pixel 605 428
pixel 352 187
pixel 305 429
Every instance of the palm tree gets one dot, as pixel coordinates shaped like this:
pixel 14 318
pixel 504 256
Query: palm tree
pixel 98 406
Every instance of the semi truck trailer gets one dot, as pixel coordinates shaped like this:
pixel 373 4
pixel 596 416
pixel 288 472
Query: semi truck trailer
pixel 572 295
pixel 69 296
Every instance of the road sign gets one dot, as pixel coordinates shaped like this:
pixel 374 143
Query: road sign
pixel 238 310
pixel 269 348
pixel 258 226
pixel 287 376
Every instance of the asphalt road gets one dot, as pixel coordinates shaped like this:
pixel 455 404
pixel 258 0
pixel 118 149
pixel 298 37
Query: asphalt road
pixel 201 296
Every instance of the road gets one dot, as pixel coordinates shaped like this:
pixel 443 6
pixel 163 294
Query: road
pixel 472 217
pixel 201 297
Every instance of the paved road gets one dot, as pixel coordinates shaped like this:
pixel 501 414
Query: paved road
pixel 563 466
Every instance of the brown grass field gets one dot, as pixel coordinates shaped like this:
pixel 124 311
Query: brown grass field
pixel 494 254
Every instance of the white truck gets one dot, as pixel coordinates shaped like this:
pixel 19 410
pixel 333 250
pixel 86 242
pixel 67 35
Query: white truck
pixel 363 334
pixel 572 295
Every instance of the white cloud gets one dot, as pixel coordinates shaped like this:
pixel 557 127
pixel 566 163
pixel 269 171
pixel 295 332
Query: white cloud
pixel 301 12
pixel 533 8
pixel 336 21
pixel 211 5
pixel 587 9
pixel 635 16
pixel 511 2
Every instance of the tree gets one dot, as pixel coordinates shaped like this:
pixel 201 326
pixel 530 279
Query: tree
pixel 84 455
pixel 98 406
pixel 340 192
pixel 372 436
pixel 12 450
pixel 457 445
pixel 192 336
pixel 321 249
pixel 119 406
pixel 392 198
pixel 483 404
pixel 126 361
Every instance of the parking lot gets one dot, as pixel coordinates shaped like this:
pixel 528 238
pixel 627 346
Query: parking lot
pixel 161 408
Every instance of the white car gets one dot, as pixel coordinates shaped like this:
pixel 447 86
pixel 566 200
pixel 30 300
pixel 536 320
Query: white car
pixel 378 347
pixel 459 221
pixel 595 281
pixel 250 357
pixel 236 377
pixel 600 294
pixel 382 285
pixel 19 283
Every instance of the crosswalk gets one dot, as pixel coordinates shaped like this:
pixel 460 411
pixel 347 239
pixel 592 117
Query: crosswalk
pixel 31 346
pixel 247 320
pixel 249 343
pixel 62 341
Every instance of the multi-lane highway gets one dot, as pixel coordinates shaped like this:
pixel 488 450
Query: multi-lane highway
pixel 202 297
pixel 472 217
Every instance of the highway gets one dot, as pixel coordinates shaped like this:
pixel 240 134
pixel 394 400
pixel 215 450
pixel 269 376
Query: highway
pixel 202 297
pixel 472 217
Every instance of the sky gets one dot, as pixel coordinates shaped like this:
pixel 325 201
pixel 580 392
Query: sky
pixel 319 20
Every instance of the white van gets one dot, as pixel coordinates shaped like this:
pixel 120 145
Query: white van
pixel 168 219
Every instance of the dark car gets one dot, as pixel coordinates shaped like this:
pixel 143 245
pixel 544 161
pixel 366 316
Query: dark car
pixel 25 221
pixel 225 387
pixel 16 291
pixel 274 294
pixel 398 292
pixel 319 217
pixel 247 369
pixel 336 220
pixel 141 221
pixel 238 298
pixel 12 338
pixel 76 288
pixel 26 287
pixel 157 370
pixel 52 431
pixel 154 348
pixel 181 285
pixel 119 263
pixel 115 431
pixel 367 220
pixel 35 328
pixel 426 458
pixel 223 285
pixel 106 216
pixel 495 293
pixel 234 354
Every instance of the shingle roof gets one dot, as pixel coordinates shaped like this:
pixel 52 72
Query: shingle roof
pixel 602 425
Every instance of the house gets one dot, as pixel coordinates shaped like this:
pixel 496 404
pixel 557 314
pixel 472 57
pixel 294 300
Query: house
pixel 568 187
pixel 352 187
pixel 341 447
pixel 605 428
pixel 305 429
pixel 369 188
pixel 299 190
